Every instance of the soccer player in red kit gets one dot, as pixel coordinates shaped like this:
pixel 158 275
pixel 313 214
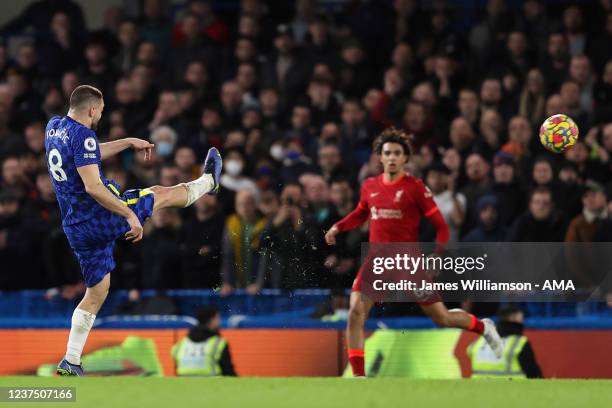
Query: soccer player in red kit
pixel 395 202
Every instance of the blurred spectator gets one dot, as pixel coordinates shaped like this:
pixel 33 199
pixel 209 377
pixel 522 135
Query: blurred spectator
pixel 478 184
pixel 200 245
pixel 468 105
pixel 570 189
pixel 542 222
pixel 286 69
pixel 489 229
pixel 40 13
pixel 233 179
pixel 452 204
pixel 594 207
pixel 128 37
pixel 160 251
pixel 506 188
pixel 164 138
pixel 98 71
pixel 533 98
pixel 573 24
pixel 555 61
pixel 331 164
pixel 491 129
pixel 341 262
pixel 290 246
pixel 241 244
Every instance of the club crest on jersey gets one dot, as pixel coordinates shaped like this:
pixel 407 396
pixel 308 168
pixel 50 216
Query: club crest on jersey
pixel 398 195
pixel 90 144
pixel 374 212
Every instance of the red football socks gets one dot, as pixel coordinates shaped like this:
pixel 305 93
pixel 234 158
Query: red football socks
pixel 357 360
pixel 476 326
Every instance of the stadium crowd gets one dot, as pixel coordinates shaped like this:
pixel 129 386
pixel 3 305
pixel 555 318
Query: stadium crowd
pixel 294 97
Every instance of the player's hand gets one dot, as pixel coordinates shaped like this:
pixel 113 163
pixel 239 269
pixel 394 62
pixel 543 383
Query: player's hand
pixel 142 145
pixel 136 231
pixel 330 236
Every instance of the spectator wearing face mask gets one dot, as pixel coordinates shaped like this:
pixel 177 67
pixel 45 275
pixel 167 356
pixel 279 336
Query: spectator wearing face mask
pixel 295 162
pixel 233 179
pixel 164 138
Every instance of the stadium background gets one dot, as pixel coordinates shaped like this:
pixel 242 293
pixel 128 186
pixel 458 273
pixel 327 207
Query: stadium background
pixel 295 92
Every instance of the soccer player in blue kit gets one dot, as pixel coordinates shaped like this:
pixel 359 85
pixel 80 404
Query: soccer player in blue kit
pixel 94 212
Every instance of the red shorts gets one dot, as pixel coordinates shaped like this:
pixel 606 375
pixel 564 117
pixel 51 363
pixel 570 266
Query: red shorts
pixel 434 298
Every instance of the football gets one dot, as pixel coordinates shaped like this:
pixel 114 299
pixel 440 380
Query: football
pixel 558 133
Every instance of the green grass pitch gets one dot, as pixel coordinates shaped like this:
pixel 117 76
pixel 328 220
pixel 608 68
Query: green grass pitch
pixel 166 392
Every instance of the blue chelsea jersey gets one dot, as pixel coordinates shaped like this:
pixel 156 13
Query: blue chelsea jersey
pixel 69 145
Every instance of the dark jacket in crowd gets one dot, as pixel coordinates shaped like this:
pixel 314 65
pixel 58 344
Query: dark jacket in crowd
pixel 528 229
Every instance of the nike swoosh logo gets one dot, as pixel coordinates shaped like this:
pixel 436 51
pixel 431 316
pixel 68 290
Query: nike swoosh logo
pixel 374 194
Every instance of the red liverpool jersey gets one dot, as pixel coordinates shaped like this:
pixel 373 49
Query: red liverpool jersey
pixel 394 209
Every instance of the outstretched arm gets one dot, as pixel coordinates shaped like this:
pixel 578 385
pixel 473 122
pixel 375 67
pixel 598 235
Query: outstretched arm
pixel 109 149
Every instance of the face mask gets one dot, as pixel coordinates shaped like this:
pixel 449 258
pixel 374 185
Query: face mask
pixel 277 152
pixel 233 167
pixel 164 149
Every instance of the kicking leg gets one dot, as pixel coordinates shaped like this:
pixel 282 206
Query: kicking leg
pixel 82 321
pixel 359 310
pixel 185 194
pixel 461 319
